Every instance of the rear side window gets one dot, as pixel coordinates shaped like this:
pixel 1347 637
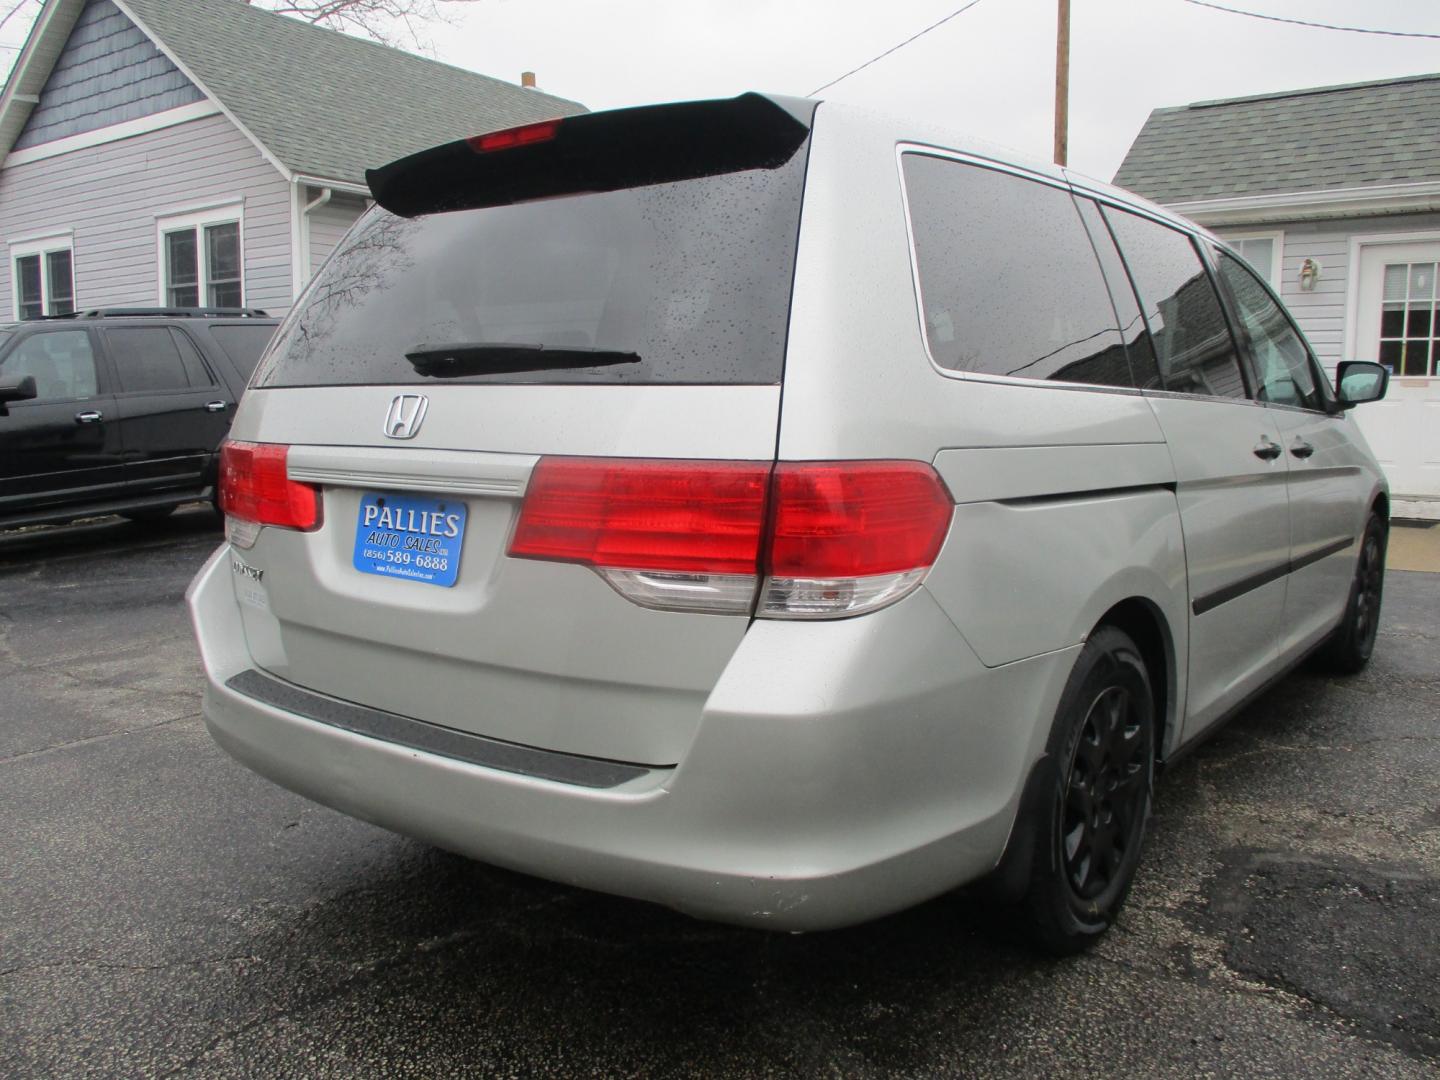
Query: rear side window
pixel 196 370
pixel 1283 371
pixel 1009 283
pixel 684 282
pixel 243 344
pixel 147 359
pixel 1188 330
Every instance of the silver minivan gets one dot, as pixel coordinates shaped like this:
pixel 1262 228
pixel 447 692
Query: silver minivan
pixel 779 512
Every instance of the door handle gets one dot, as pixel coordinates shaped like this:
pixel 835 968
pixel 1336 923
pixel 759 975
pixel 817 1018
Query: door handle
pixel 216 406
pixel 89 416
pixel 1302 449
pixel 1267 450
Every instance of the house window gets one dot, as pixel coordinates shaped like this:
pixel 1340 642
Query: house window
pixel 1409 336
pixel 1261 251
pixel 201 259
pixel 44 275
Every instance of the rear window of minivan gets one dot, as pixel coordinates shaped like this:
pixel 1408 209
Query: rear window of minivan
pixel 683 282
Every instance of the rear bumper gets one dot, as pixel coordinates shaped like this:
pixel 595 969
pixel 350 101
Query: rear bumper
pixel 842 770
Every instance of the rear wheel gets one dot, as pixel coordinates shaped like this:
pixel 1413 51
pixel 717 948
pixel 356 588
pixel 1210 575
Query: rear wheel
pixel 1094 814
pixel 1350 646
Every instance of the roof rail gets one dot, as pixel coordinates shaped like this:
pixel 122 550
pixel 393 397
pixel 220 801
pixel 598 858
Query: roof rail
pixel 167 313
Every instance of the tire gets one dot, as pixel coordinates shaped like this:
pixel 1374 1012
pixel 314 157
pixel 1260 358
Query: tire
pixel 1349 647
pixel 157 513
pixel 1093 815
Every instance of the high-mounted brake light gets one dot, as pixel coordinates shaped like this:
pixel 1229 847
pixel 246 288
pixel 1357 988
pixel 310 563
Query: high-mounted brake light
pixel 830 538
pixel 516 136
pixel 256 489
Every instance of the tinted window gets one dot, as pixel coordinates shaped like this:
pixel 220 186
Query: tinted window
pixel 243 344
pixel 1009 284
pixel 1282 363
pixel 693 277
pixel 146 358
pixel 196 371
pixel 1188 330
pixel 1143 365
pixel 61 361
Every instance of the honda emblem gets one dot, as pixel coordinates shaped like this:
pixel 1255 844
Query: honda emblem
pixel 407 411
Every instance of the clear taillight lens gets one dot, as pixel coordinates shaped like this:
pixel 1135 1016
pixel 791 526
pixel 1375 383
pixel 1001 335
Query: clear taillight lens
pixel 829 539
pixel 256 489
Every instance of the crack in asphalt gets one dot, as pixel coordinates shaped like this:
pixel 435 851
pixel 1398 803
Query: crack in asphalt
pixel 91 739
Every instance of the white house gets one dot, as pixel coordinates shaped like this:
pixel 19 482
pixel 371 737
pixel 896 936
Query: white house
pixel 206 152
pixel 1334 193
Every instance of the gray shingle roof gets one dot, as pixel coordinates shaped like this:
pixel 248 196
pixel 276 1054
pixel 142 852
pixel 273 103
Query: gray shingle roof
pixel 1329 137
pixel 327 104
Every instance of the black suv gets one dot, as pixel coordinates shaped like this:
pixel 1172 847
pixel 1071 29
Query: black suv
pixel 119 410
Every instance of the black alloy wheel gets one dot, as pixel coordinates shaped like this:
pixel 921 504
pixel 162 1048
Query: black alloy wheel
pixel 1350 646
pixel 1106 793
pixel 1102 747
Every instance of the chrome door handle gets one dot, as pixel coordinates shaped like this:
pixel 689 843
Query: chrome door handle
pixel 1302 449
pixel 89 416
pixel 216 406
pixel 1267 450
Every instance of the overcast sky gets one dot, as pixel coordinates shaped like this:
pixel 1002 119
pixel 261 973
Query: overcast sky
pixel 988 72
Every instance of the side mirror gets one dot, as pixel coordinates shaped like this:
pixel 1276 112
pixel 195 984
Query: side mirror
pixel 15 388
pixel 1359 381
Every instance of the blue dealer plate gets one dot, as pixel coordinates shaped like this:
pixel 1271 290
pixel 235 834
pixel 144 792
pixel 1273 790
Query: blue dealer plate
pixel 401 536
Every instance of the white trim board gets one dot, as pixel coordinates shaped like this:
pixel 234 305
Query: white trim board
pixel 127 129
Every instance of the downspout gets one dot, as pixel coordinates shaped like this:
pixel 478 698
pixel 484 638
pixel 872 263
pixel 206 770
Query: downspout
pixel 304 256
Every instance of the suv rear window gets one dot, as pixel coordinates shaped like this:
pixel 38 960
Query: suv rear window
pixel 243 343
pixel 691 277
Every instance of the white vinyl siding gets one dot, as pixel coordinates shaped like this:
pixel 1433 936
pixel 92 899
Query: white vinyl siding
pixel 329 223
pixel 1321 311
pixel 110 197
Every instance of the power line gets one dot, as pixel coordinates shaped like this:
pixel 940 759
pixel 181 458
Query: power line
pixel 1316 25
pixel 896 48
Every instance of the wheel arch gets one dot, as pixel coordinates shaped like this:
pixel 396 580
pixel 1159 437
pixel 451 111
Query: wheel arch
pixel 1142 620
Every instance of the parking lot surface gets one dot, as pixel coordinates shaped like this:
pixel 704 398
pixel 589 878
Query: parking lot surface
pixel 165 912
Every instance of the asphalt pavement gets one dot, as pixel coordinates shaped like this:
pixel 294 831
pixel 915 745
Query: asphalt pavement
pixel 165 912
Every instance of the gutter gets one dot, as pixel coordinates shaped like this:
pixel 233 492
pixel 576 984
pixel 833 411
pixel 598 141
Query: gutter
pixel 1374 200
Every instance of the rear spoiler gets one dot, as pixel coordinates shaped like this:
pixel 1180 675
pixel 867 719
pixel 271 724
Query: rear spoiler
pixel 603 151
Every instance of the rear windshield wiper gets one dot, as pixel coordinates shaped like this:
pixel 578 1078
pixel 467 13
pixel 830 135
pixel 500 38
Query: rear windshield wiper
pixel 460 358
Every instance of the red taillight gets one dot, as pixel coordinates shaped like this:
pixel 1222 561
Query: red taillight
pixel 849 519
pixel 697 517
pixel 255 486
pixel 842 537
pixel 516 136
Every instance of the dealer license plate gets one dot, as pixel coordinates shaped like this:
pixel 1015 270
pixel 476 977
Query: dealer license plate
pixel 401 536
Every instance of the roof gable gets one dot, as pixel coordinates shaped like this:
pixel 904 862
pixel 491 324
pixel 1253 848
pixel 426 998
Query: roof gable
pixel 323 103
pixel 108 72
pixel 1320 139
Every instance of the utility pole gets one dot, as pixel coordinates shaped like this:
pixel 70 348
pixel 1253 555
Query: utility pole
pixel 1062 84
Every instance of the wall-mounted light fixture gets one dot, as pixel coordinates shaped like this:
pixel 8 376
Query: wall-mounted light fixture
pixel 1310 273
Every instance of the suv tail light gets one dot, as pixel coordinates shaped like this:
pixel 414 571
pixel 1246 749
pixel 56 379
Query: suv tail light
pixel 256 489
pixel 830 538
